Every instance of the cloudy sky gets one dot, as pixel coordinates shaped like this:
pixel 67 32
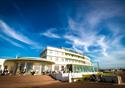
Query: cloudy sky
pixel 95 28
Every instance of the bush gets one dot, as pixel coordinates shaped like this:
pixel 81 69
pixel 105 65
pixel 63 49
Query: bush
pixel 86 77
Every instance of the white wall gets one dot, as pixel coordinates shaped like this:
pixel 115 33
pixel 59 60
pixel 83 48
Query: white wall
pixel 2 63
pixel 65 76
pixel 58 56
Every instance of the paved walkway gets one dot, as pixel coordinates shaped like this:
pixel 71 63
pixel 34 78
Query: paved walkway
pixel 47 82
pixel 25 81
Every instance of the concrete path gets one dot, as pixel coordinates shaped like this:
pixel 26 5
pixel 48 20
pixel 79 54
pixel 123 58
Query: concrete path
pixel 47 82
pixel 25 81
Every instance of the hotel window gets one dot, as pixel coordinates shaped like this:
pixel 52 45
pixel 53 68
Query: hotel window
pixel 56 53
pixel 53 58
pixel 56 59
pixel 66 60
pixel 50 58
pixel 83 62
pixel 61 59
pixel 56 67
pixel 50 51
pixel 74 61
pixel 70 60
pixel 59 53
pixel 63 53
pixel 80 62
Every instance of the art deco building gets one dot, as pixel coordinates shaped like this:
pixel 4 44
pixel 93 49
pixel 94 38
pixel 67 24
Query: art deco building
pixel 67 60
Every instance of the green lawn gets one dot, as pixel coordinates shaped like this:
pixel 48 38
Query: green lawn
pixel 106 73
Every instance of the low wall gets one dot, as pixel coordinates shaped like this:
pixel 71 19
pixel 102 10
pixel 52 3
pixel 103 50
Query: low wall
pixel 65 76
pixel 122 74
pixel 110 79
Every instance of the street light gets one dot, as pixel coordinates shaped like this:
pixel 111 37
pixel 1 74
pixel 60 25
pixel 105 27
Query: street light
pixel 97 66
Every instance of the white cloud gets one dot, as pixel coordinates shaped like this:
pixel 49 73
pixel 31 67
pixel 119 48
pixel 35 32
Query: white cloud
pixel 102 42
pixel 15 34
pixel 50 34
pixel 85 37
pixel 10 41
pixel 115 58
pixel 84 34
pixel 103 10
pixel 105 56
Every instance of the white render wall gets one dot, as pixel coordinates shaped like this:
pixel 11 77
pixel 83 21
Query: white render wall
pixel 2 63
pixel 58 56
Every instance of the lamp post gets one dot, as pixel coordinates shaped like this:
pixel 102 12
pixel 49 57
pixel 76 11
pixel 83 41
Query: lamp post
pixel 97 66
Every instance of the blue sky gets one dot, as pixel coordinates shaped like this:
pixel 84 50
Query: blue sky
pixel 95 28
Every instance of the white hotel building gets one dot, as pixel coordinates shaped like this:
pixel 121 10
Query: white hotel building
pixel 67 60
pixel 60 61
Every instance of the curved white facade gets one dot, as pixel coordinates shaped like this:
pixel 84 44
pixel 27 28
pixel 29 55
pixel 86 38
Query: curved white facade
pixel 63 57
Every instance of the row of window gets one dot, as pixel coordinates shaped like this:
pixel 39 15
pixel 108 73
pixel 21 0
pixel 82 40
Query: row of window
pixel 52 52
pixel 57 59
pixel 74 56
pixel 83 69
